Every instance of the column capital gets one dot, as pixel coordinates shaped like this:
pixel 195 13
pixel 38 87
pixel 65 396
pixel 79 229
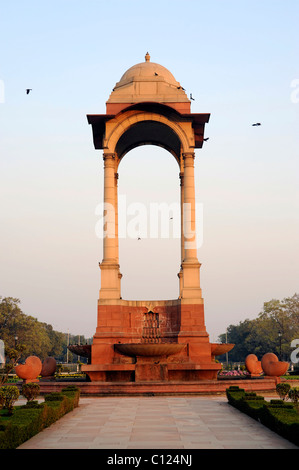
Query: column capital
pixel 109 159
pixel 188 158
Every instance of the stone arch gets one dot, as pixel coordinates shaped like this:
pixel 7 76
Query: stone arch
pixel 151 167
pixel 132 129
pixel 148 106
pixel 145 133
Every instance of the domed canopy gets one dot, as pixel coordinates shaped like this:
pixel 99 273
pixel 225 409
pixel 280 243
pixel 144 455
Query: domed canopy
pixel 148 81
pixel 149 71
pixel 148 106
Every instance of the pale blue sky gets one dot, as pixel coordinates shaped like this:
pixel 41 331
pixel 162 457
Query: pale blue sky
pixel 238 59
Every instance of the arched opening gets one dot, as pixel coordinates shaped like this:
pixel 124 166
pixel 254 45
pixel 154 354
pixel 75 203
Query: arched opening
pixel 149 224
pixel 149 132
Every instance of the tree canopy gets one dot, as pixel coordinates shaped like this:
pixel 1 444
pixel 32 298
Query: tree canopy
pixel 276 326
pixel 38 339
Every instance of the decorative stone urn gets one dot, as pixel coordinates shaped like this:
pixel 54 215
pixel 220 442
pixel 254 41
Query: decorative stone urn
pixel 48 368
pixel 30 370
pixel 272 366
pixel 253 365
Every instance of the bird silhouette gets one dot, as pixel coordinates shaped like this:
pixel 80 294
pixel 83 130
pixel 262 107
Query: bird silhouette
pixel 207 138
pixel 257 124
pixel 191 98
pixel 139 238
pixel 28 90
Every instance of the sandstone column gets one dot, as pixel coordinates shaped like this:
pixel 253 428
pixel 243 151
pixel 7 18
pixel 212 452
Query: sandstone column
pixel 116 232
pixel 190 252
pixel 180 274
pixel 110 286
pixel 190 265
pixel 116 217
pixel 182 215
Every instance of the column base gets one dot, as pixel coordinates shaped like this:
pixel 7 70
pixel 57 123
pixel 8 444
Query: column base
pixel 110 280
pixel 190 280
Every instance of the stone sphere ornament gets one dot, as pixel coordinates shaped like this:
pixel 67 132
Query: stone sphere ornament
pixel 272 366
pixel 253 365
pixel 49 367
pixel 30 370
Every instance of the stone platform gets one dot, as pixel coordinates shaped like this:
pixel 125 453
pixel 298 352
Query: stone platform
pixel 202 387
pixel 183 425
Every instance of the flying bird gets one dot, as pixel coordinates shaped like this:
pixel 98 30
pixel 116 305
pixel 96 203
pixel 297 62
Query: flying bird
pixel 257 124
pixel 207 138
pixel 191 98
pixel 28 90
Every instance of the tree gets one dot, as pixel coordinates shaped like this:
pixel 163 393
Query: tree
pixel 12 358
pixel 38 339
pixel 277 325
pixel 57 340
pixel 272 331
pixel 28 331
pixel 237 335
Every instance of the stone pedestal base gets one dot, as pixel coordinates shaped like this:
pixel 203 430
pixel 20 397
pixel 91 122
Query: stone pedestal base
pixel 149 370
pixel 154 323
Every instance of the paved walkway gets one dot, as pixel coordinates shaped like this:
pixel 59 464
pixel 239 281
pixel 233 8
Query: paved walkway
pixel 156 423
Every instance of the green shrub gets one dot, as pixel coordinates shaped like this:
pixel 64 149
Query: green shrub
pixel 10 394
pixel 30 391
pixel 55 396
pixel 282 390
pixel 277 402
pixel 279 416
pixel 31 418
pixel 234 394
pixel 284 420
pixel 33 404
pixel 281 405
pixel 294 394
pixel 253 398
pixel 70 388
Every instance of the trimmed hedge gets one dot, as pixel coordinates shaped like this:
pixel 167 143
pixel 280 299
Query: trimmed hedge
pixel 280 417
pixel 28 420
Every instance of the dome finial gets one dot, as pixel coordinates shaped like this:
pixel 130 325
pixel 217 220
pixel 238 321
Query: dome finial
pixel 147 57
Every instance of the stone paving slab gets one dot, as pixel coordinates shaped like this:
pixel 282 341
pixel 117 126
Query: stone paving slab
pixel 156 423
